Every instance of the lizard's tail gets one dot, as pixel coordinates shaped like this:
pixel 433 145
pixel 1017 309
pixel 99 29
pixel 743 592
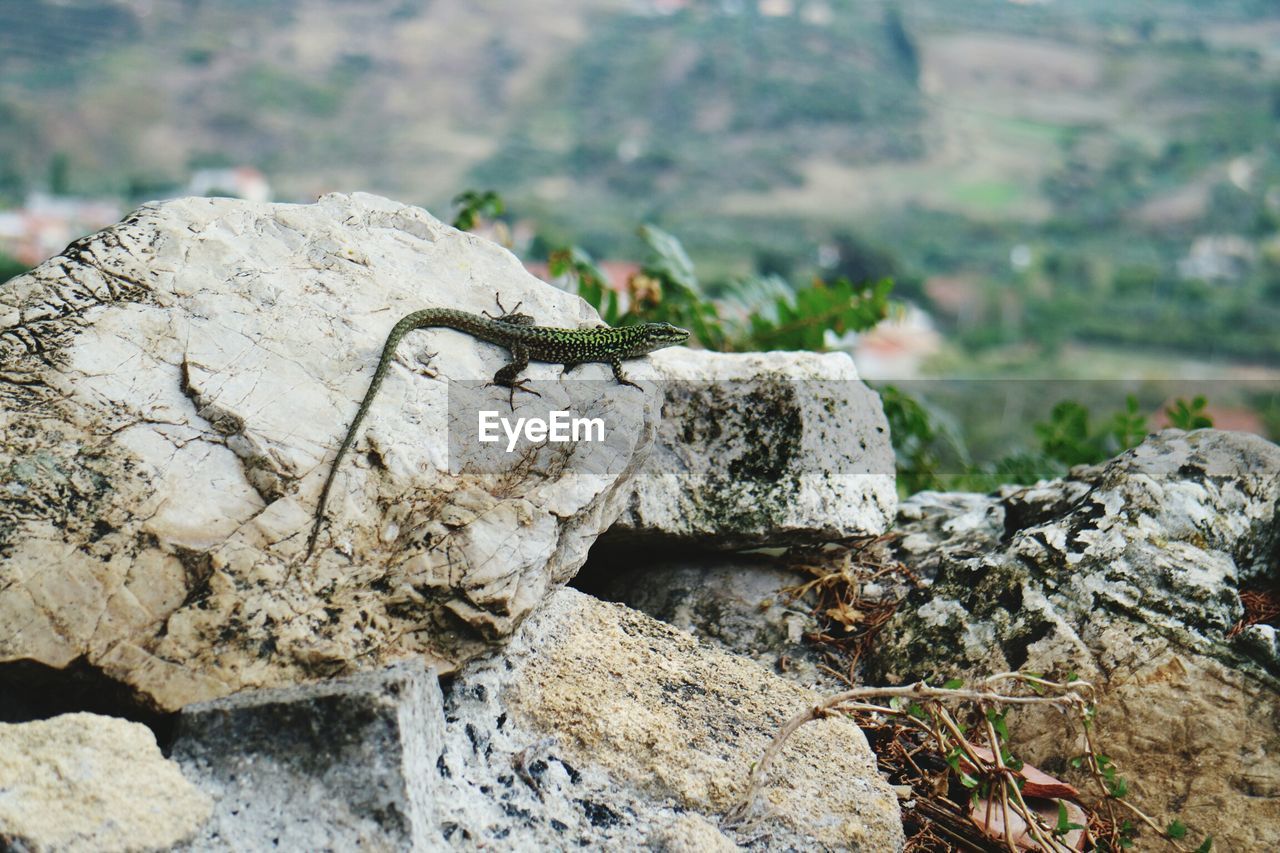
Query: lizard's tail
pixel 416 320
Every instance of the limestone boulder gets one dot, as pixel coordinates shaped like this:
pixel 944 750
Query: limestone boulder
pixel 596 727
pixel 744 604
pixel 345 764
pixel 1128 574
pixel 172 393
pixel 677 723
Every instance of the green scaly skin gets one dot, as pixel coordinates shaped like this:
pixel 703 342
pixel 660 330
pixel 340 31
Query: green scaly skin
pixel 526 342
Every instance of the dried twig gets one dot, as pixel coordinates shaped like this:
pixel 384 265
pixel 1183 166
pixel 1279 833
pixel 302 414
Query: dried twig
pixel 988 772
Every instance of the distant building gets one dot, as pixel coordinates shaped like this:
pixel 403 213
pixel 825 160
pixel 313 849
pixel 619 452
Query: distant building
pixel 243 182
pixel 1218 257
pixel 957 296
pixel 45 224
pixel 898 347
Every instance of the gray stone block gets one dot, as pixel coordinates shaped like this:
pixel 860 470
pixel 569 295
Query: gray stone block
pixel 343 765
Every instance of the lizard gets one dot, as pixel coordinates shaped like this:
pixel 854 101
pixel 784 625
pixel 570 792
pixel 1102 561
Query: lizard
pixel 526 342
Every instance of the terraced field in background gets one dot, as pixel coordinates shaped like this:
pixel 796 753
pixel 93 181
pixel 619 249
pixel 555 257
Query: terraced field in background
pixel 921 138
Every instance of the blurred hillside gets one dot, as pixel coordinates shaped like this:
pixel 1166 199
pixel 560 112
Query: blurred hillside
pixel 1040 176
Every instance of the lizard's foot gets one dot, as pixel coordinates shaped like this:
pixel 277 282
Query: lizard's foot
pixel 620 376
pixel 505 313
pixel 512 388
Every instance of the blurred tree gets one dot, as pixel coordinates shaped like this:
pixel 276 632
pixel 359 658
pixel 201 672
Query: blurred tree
pixel 860 261
pixel 902 43
pixel 59 173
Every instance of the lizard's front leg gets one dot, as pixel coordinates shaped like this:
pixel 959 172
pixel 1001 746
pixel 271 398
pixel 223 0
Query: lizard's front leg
pixel 513 316
pixel 616 364
pixel 508 373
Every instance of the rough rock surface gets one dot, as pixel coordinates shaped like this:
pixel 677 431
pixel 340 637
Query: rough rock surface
pixel 596 727
pixel 624 726
pixel 172 391
pixel 1128 574
pixel 343 765
pixel 737 602
pixel 83 782
pixel 763 448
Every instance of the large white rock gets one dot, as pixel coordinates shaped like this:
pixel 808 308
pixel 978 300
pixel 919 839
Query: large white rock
pixel 83 782
pixel 763 449
pixel 172 392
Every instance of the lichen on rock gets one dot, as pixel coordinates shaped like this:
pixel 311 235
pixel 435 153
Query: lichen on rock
pixel 1127 574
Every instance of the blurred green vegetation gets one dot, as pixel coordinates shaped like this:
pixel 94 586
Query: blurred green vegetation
pixel 10 266
pixel 650 113
pixel 935 448
pixel 932 453
pixel 753 314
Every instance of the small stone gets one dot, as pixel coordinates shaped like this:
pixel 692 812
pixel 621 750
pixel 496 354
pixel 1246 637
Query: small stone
pixel 84 782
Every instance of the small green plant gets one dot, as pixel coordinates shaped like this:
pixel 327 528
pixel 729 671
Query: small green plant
pixel 1067 438
pixel 1189 415
pixel 925 448
pixel 592 284
pixel 474 205
pixel 751 315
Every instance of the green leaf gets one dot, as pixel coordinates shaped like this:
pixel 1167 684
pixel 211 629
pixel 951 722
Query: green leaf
pixel 589 281
pixel 671 261
pixel 1118 787
pixel 1176 829
pixel 473 204
pixel 1064 821
pixel 1206 845
pixel 1189 415
pixel 802 319
pixel 953 684
pixel 997 723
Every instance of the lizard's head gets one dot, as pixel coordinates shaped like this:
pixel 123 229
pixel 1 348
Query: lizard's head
pixel 658 335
